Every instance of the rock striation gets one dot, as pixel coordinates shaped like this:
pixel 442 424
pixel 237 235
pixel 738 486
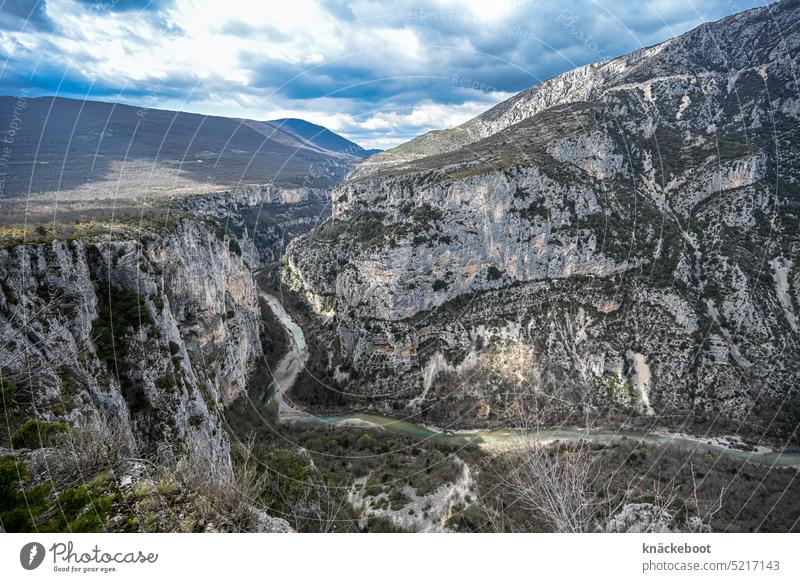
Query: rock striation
pixel 153 331
pixel 623 234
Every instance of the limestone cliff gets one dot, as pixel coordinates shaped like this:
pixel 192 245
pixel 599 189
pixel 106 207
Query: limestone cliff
pixel 266 215
pixel 154 330
pixel 623 233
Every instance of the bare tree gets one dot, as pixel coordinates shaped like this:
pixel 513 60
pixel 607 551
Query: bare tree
pixel 559 481
pixel 548 478
pixel 81 453
pixel 553 481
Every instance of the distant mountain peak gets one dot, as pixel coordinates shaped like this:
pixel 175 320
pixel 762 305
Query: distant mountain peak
pixel 321 137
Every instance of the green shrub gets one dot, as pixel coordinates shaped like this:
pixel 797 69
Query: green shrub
pixel 469 519
pixel 286 480
pixel 368 226
pixel 364 441
pixel 25 509
pixel 135 396
pixel 381 525
pixel 34 433
pixel 425 214
pixel 7 391
pixel 233 246
pixel 80 510
pixel 118 311
pixel 165 383
pixel 17 508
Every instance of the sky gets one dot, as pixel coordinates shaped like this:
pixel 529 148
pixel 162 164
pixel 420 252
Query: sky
pixel 377 72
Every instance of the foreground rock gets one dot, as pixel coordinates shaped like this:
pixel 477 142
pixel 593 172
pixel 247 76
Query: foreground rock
pixel 153 331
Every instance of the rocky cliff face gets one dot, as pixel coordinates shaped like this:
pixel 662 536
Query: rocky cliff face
pixel 696 71
pixel 624 233
pixel 268 216
pixel 155 331
pixel 221 204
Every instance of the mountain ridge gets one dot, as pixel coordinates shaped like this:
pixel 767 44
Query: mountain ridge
pixel 322 136
pixel 620 245
pixel 580 83
pixel 78 142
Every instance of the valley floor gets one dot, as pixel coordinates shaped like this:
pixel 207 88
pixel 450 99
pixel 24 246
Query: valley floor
pixel 381 473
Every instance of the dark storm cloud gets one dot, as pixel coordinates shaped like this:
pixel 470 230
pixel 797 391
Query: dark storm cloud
pixel 535 41
pixel 356 76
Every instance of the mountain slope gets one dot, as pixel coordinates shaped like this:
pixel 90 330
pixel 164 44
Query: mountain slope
pixel 321 137
pixel 728 47
pixel 68 145
pixel 622 238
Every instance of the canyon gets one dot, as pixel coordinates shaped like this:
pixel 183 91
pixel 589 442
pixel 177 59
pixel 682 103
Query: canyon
pixel 614 249
pixel 620 236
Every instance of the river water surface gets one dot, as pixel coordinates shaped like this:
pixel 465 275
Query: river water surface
pixel 494 439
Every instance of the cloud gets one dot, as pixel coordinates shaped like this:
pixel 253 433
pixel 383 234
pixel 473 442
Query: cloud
pixel 126 5
pixel 243 28
pixel 378 72
pixel 25 14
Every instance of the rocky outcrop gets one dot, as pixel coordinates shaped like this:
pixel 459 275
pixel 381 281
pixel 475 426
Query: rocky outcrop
pixel 685 80
pixel 614 234
pixel 649 518
pixel 222 205
pixel 265 216
pixel 153 331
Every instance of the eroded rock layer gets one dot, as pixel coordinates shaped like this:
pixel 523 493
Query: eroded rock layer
pixel 625 234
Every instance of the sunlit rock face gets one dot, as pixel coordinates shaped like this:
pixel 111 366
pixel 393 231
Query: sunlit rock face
pixel 628 226
pixel 155 331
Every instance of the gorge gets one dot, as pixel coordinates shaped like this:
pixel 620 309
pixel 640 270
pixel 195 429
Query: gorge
pixel 225 324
